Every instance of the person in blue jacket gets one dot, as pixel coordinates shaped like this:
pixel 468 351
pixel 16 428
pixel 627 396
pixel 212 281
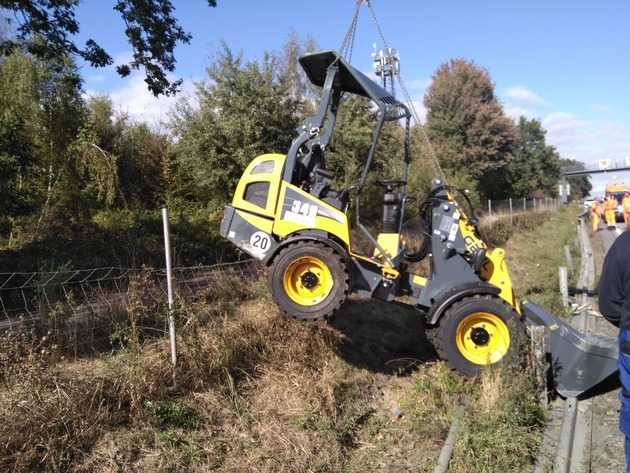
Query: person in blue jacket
pixel 614 304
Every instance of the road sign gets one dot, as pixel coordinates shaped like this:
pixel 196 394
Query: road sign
pixel 628 161
pixel 604 164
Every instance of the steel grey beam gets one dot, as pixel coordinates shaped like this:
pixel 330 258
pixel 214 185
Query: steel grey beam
pixel 585 172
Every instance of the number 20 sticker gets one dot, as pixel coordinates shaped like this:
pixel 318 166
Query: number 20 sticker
pixel 260 242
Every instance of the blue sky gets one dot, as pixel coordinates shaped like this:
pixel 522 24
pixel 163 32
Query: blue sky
pixel 564 62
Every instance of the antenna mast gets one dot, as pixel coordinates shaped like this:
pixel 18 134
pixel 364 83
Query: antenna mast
pixel 387 66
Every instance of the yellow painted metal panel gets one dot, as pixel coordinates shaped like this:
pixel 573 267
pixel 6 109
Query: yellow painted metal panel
pixel 419 280
pixel 273 177
pixel 495 271
pixel 337 226
pixel 472 241
pixel 260 223
pixel 390 242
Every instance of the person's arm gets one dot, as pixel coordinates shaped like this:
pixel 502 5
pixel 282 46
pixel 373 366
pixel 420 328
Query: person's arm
pixel 611 286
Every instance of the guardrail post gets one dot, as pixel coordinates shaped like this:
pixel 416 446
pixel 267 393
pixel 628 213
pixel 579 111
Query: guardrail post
pixel 564 286
pixel 524 204
pixel 169 288
pixel 538 361
pixel 489 207
pixel 569 257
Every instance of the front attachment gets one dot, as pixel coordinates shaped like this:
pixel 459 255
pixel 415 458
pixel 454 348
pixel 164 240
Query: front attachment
pixel 579 362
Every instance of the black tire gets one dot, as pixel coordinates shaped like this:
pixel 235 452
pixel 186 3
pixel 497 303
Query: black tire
pixel 334 298
pixel 445 335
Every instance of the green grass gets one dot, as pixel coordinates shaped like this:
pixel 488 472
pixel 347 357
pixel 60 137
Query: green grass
pixel 535 255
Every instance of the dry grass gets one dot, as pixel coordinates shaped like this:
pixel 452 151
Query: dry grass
pixel 256 392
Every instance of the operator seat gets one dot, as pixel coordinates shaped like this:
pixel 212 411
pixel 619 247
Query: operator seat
pixel 319 179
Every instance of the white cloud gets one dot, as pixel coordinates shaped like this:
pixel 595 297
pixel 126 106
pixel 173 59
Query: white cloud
pixel 515 112
pixel 525 96
pixel 565 127
pixel 587 140
pixel 584 138
pixel 523 102
pixel 134 99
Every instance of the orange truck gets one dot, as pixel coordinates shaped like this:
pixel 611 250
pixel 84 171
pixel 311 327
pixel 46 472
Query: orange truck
pixel 617 190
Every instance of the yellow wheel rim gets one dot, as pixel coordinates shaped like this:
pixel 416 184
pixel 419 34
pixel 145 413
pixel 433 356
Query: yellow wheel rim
pixel 307 281
pixel 482 338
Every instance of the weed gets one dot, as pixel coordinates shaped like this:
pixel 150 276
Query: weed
pixel 501 427
pixel 435 393
pixel 173 415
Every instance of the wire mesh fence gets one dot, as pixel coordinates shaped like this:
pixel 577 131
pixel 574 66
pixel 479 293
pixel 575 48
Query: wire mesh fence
pixel 513 206
pixel 89 309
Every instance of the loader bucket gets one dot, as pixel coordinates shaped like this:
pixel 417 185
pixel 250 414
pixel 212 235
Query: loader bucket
pixel 579 362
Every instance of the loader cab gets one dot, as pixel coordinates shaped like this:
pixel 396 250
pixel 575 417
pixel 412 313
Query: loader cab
pixel 306 165
pixel 257 189
pixel 285 196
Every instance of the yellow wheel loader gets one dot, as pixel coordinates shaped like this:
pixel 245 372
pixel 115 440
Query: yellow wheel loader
pixel 286 214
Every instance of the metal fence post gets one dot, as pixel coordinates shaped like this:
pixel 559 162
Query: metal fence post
pixel 511 221
pixel 489 207
pixel 169 287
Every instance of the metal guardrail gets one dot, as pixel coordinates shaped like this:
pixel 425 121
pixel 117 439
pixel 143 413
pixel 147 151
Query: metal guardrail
pixel 566 444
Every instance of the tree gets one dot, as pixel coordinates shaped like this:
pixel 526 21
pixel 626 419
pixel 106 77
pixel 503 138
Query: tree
pixel 535 167
pixel 145 166
pixel 581 186
pixel 19 159
pixel 245 109
pixel 299 85
pixel 42 110
pixel 46 27
pixel 15 162
pixel 471 134
pixel 122 163
pixel 95 148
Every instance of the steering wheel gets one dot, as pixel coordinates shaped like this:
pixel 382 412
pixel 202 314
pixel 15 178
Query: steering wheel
pixel 391 184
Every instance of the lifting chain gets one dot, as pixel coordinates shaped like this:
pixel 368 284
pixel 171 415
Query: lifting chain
pixel 346 52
